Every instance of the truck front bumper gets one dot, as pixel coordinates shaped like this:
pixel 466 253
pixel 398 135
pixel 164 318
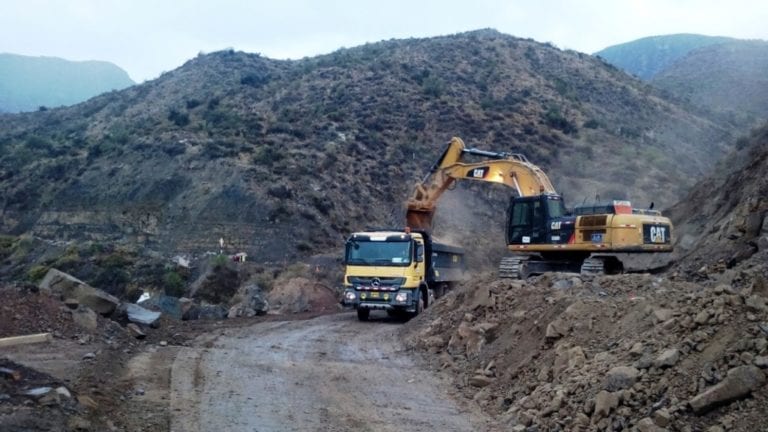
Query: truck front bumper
pixel 398 300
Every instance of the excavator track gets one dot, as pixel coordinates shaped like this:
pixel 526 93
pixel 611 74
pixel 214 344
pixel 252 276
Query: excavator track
pixel 593 266
pixel 513 267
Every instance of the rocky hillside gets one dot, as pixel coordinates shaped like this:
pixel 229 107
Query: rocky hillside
pixel 728 77
pixel 647 57
pixel 29 83
pixel 639 352
pixel 281 159
pixel 722 221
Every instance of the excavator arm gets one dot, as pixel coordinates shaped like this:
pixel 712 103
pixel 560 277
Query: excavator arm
pixel 513 170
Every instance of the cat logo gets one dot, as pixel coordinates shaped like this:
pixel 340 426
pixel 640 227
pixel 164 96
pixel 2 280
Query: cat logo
pixel 478 172
pixel 658 234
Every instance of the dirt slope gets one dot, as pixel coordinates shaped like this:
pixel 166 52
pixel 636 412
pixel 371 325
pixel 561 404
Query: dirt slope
pixel 722 221
pixel 614 353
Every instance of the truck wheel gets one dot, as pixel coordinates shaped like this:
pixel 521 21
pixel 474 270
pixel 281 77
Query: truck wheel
pixel 363 314
pixel 419 305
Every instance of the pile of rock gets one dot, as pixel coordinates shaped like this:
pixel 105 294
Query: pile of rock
pixel 608 353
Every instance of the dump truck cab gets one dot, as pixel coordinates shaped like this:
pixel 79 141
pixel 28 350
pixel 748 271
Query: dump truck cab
pixel 397 271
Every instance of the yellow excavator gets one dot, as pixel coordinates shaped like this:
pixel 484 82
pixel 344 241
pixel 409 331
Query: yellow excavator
pixel 541 234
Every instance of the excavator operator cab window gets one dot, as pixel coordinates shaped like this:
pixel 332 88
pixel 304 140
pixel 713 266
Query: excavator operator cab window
pixel 555 208
pixel 527 221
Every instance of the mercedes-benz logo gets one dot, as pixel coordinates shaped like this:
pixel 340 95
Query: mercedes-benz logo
pixel 375 282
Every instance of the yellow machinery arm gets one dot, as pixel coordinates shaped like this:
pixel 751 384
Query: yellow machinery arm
pixel 513 170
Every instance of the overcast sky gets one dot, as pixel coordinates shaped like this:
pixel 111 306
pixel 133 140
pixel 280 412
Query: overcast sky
pixel 147 37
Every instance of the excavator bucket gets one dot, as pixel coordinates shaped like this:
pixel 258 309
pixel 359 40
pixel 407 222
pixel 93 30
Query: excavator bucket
pixel 419 219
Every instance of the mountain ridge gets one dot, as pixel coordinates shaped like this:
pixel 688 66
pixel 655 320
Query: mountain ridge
pixel 28 83
pixel 646 57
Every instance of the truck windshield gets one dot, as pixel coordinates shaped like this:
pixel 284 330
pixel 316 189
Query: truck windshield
pixel 391 253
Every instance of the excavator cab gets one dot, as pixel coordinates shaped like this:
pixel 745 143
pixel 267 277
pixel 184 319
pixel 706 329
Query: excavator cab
pixel 539 219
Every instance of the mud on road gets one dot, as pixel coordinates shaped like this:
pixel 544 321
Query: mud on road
pixel 330 373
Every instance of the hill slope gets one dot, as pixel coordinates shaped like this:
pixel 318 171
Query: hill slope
pixel 722 221
pixel 725 77
pixel 648 56
pixel 27 83
pixel 283 158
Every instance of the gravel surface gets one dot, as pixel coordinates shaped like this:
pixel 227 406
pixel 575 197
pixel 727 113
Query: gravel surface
pixel 330 373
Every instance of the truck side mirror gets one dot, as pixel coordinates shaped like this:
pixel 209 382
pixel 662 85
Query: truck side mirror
pixel 419 252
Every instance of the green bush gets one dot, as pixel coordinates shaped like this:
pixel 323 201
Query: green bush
pixel 173 284
pixel 6 245
pixel 178 118
pixel 219 261
pixel 554 119
pixel 591 124
pixel 36 273
pixel 432 86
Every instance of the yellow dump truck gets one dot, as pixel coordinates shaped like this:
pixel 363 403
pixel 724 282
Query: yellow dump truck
pixel 398 271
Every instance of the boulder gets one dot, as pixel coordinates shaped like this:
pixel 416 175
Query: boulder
pixel 647 425
pixel 667 358
pixel 620 377
pixel 140 315
pixel 171 306
pixel 211 312
pixel 568 358
pixel 702 317
pixel 605 402
pixel 482 298
pixel 135 331
pixel 85 318
pixel 661 315
pixel 756 303
pixel 69 287
pixel 739 382
pixel 637 349
pixel 480 381
pixel 556 329
pixel 662 417
pixel 762 242
pixel 253 303
pixel 753 224
pixel 186 305
pixel 764 228
pixel 761 361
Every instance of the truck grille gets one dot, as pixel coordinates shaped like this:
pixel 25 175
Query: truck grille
pixel 382 281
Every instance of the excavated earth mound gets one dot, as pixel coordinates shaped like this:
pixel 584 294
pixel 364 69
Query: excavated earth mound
pixel 631 352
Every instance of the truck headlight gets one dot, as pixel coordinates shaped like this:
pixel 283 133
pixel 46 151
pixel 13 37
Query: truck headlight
pixel 350 295
pixel 401 297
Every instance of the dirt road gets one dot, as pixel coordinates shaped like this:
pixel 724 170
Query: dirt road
pixel 330 373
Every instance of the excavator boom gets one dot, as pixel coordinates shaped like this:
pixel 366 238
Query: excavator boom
pixel 513 170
